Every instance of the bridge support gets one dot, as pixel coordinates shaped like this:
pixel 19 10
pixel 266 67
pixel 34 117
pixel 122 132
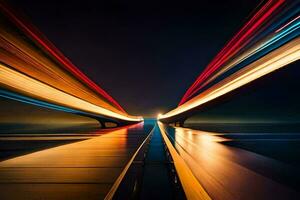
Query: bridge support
pixel 179 123
pixel 175 122
pixel 106 122
pixel 112 124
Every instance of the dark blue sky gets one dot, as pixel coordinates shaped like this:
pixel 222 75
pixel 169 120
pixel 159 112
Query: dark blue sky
pixel 143 53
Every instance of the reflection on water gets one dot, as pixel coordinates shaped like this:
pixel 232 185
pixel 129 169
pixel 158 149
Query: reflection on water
pixel 227 172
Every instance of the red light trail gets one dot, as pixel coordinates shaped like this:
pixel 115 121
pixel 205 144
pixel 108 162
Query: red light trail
pixel 32 32
pixel 240 40
pixel 241 60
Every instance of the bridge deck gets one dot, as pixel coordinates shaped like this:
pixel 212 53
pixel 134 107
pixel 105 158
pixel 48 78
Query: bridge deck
pixel 81 170
pixel 227 172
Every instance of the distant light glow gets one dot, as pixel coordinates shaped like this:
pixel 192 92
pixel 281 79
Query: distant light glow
pixel 159 115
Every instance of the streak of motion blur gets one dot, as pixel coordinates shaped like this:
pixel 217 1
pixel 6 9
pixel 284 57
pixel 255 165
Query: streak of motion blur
pixel 267 42
pixel 155 158
pixel 33 70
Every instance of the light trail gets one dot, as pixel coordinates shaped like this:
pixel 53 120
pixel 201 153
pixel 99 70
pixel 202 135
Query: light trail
pixel 288 24
pixel 240 40
pixel 34 71
pixel 26 59
pixel 279 58
pixel 275 40
pixel 192 188
pixel 267 37
pixel 33 33
pixel 20 83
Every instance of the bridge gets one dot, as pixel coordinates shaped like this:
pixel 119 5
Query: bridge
pixel 129 157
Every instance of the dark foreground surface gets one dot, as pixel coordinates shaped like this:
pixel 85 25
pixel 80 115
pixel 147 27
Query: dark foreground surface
pixel 81 165
pixel 242 165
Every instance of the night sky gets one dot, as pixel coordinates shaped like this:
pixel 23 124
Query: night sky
pixel 143 53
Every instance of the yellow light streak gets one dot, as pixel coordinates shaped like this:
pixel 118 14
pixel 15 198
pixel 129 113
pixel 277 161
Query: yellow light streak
pixel 116 184
pixel 239 59
pixel 277 59
pixel 28 86
pixel 159 115
pixel 191 186
pixel 30 60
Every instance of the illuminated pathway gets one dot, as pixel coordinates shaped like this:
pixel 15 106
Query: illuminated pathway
pixel 97 167
pixel 81 170
pixel 142 159
pixel 226 172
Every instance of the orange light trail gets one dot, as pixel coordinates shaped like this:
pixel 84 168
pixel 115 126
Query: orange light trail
pixel 30 70
pixel 20 83
pixel 237 43
pixel 38 38
pixel 279 58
